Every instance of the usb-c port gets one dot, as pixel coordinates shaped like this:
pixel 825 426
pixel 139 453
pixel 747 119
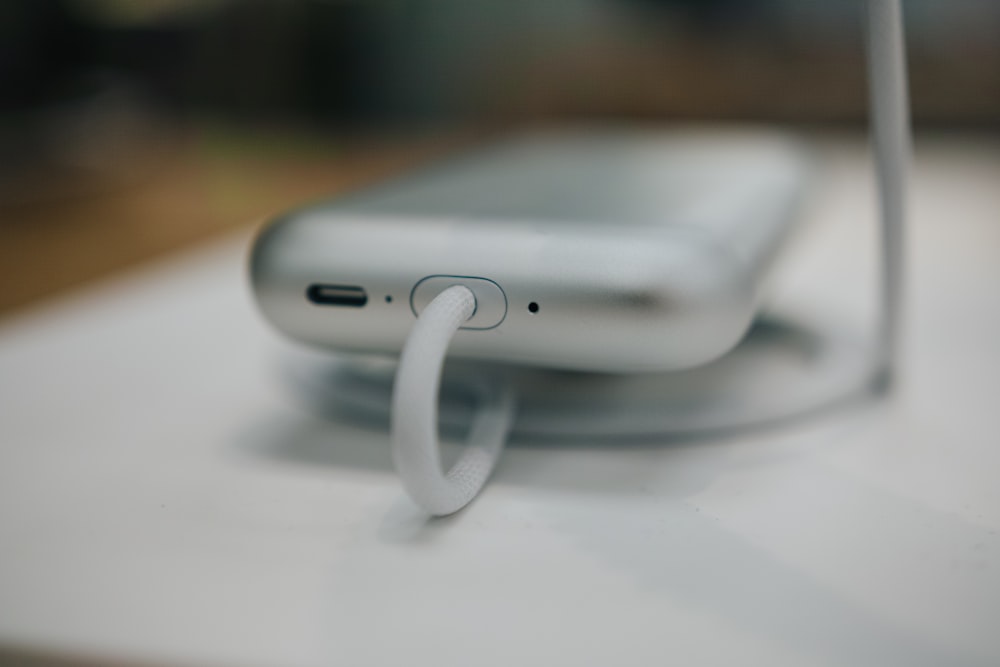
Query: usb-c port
pixel 350 296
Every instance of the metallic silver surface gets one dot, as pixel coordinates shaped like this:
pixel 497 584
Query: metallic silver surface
pixel 642 251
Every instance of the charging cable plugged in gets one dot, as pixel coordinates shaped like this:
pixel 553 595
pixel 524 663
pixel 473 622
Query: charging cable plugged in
pixel 490 308
pixel 414 414
pixel 416 450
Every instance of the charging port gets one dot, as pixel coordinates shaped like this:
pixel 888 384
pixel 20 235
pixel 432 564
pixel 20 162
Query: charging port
pixel 350 296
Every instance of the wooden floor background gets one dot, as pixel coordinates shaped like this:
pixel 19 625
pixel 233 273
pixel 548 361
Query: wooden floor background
pixel 62 228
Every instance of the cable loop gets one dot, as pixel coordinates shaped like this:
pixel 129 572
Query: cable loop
pixel 416 450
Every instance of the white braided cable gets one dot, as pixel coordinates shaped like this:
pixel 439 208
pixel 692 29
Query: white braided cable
pixel 415 448
pixel 414 416
pixel 892 141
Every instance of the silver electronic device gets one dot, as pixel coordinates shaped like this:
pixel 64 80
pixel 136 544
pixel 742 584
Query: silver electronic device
pixel 591 251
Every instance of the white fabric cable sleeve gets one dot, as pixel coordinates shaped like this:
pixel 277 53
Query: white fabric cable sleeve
pixel 892 140
pixel 416 451
pixel 415 446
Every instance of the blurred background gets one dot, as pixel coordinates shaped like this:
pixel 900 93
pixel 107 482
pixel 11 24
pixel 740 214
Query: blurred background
pixel 132 128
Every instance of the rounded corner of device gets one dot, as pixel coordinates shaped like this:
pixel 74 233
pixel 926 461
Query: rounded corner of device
pixel 273 238
pixel 264 263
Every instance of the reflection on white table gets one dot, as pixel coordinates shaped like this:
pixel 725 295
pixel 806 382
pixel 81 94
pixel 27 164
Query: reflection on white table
pixel 164 497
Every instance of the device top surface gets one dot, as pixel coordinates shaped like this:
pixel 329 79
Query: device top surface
pixel 595 178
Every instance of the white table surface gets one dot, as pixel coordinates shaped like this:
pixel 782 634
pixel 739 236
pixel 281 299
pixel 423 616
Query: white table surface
pixel 163 496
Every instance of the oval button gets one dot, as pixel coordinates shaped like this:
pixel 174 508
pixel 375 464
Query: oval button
pixel 491 302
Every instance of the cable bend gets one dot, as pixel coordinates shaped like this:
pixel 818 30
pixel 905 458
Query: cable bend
pixel 415 448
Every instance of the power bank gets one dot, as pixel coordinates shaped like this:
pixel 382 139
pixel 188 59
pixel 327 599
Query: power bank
pixel 613 251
